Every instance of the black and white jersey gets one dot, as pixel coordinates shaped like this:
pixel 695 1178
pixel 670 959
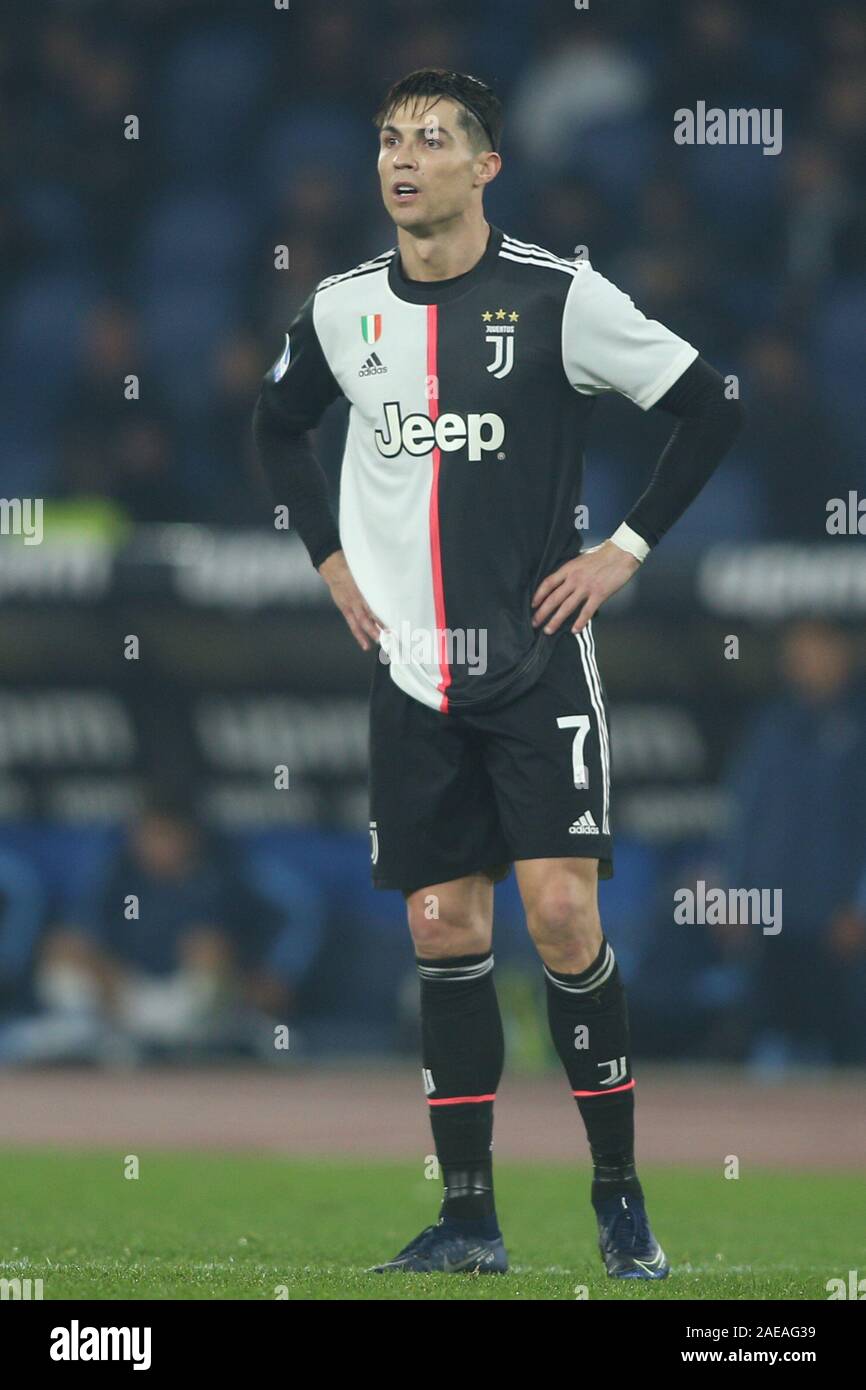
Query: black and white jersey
pixel 470 401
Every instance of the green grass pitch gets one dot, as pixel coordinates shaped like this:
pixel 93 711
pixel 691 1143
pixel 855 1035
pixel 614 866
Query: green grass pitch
pixel 221 1226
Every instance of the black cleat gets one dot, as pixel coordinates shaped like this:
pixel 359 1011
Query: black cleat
pixel 441 1250
pixel 628 1247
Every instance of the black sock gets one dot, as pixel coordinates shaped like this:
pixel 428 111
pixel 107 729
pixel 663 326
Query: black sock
pixel 463 1051
pixel 589 1026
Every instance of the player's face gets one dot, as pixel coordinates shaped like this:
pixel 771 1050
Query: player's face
pixel 426 151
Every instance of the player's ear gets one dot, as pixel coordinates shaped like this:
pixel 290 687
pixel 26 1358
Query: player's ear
pixel 487 166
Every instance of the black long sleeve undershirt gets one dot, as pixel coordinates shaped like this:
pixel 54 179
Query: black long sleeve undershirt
pixel 709 423
pixel 296 480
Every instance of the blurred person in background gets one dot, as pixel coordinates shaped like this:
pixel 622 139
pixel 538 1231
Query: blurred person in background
pixel 691 995
pixel 83 88
pixel 800 826
pixel 112 446
pixel 151 949
pixel 786 417
pixel 713 56
pixel 818 220
pixel 237 489
pixel 182 945
pixel 842 111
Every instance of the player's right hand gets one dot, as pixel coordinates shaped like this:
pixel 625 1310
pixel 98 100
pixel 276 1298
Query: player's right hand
pixel 363 623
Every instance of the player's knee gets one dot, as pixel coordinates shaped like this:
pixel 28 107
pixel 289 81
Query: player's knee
pixel 436 934
pixel 563 920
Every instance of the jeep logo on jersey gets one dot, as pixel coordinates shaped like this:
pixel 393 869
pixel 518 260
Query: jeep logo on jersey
pixel 418 434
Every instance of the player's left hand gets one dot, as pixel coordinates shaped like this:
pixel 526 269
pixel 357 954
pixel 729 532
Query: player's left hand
pixel 584 582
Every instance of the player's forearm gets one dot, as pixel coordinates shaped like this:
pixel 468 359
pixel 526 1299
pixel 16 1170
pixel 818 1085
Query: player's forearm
pixel 708 425
pixel 297 482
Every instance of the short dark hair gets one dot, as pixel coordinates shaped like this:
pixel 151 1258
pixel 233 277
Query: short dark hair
pixel 480 118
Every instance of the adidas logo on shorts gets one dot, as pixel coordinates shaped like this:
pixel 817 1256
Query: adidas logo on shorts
pixel 584 825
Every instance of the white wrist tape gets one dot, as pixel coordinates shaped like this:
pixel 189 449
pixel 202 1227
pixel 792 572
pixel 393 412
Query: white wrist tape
pixel 629 540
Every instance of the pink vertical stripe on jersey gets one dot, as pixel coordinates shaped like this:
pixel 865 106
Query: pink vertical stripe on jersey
pixel 435 537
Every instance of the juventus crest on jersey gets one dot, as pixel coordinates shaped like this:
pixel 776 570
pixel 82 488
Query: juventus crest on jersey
pixel 470 400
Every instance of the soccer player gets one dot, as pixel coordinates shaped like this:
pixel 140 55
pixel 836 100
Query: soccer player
pixel 471 361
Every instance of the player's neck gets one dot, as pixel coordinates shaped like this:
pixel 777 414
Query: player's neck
pixel 446 252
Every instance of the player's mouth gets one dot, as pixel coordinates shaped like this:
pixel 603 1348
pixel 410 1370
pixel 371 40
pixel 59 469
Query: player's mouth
pixel 404 192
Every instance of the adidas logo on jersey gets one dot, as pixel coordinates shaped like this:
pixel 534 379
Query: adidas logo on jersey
pixel 417 434
pixel 584 825
pixel 373 366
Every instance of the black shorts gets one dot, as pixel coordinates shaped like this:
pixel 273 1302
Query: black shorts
pixel 461 793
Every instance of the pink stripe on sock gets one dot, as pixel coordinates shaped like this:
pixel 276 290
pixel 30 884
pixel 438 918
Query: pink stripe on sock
pixel 613 1089
pixel 462 1100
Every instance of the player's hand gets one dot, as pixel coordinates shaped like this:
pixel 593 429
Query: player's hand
pixel 584 582
pixel 363 623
